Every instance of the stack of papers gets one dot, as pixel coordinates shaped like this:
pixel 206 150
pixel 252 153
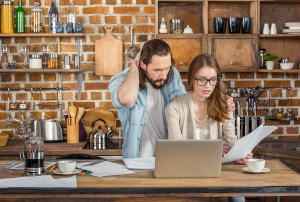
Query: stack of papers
pixel 105 168
pixel 38 181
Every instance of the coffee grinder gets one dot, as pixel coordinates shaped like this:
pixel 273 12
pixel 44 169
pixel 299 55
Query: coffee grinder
pixel 33 155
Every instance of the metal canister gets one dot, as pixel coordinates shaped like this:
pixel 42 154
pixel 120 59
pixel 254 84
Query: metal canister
pixel 7 17
pixel 53 61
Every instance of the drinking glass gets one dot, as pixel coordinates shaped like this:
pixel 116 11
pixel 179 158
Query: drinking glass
pixel 24 50
pixel 5 52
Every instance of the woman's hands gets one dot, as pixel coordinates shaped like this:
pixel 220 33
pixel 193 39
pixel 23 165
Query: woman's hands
pixel 243 161
pixel 227 147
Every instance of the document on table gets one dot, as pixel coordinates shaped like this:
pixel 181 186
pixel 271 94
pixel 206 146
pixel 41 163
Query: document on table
pixel 21 166
pixel 105 168
pixel 140 163
pixel 246 144
pixel 38 181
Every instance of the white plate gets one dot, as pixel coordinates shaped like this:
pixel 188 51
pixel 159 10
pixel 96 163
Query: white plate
pixel 264 170
pixel 295 24
pixel 57 171
pixel 290 30
pixel 290 27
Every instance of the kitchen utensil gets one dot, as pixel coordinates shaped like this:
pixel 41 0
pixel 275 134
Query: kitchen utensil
pixel 79 114
pixel 33 155
pixel 132 50
pixel 98 137
pixel 105 114
pixel 108 51
pixel 48 129
pixel 72 111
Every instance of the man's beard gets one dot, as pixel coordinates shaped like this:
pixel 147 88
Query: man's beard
pixel 153 82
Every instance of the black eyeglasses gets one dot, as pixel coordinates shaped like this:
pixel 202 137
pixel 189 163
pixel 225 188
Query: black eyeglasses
pixel 202 81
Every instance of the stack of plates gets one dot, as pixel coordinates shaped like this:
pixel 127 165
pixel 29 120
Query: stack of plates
pixel 293 28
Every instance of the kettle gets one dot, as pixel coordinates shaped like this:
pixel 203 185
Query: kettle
pixel 98 138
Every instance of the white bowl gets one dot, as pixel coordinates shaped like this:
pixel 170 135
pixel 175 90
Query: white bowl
pixel 286 66
pixel 66 166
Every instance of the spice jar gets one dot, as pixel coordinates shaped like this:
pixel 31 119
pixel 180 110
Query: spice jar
pixel 279 114
pixel 7 17
pixel 35 61
pixel 36 25
pixel 13 105
pixel 53 61
pixel 290 114
pixel 23 105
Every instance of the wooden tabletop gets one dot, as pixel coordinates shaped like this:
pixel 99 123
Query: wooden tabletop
pixel 280 181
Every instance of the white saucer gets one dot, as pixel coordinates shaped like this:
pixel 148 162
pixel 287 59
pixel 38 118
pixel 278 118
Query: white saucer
pixel 57 171
pixel 264 170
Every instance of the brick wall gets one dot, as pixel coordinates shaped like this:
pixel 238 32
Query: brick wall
pixel 121 14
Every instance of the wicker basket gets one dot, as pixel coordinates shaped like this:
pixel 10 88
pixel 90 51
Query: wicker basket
pixel 3 139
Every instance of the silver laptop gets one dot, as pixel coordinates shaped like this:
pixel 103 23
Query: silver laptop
pixel 188 158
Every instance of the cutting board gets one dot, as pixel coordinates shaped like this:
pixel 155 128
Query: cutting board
pixel 93 114
pixel 108 54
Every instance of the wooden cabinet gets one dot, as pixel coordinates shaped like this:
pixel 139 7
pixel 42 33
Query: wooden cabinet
pixel 235 52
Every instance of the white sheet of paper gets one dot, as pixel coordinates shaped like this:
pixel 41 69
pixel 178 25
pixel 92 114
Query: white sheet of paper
pixel 140 163
pixel 106 168
pixel 38 181
pixel 21 166
pixel 246 144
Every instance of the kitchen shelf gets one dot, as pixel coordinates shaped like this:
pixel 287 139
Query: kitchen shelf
pixel 282 119
pixel 290 71
pixel 19 71
pixel 43 35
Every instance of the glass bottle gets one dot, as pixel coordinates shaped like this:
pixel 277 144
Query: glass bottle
pixel 7 17
pixel 36 25
pixel 71 16
pixel 53 17
pixel 20 19
pixel 262 52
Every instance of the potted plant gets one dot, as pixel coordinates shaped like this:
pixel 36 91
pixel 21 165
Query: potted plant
pixel 269 58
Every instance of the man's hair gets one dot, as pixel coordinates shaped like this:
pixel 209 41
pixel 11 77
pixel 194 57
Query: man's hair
pixel 217 102
pixel 151 48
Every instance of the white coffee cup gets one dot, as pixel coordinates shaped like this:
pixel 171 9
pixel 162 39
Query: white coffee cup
pixel 66 166
pixel 256 165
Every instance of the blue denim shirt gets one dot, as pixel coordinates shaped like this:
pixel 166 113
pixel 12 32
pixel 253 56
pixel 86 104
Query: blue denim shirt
pixel 133 119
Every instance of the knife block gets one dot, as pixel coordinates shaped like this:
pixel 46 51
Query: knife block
pixel 73 134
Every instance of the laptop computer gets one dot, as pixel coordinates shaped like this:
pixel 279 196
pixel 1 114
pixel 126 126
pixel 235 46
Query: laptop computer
pixel 188 158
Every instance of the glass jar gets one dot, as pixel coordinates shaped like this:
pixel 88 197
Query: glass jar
pixel 279 114
pixel 53 61
pixel 36 25
pixel 35 61
pixel 290 114
pixel 7 17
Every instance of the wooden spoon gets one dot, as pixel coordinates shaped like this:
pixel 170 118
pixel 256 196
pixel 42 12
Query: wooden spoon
pixel 79 114
pixel 72 112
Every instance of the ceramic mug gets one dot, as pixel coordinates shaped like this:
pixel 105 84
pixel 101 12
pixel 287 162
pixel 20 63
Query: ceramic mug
pixel 246 24
pixel 69 27
pixel 234 24
pixel 256 165
pixel 220 24
pixel 78 27
pixel 59 27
